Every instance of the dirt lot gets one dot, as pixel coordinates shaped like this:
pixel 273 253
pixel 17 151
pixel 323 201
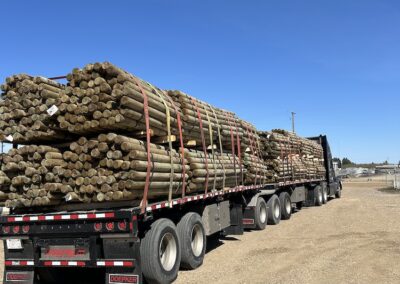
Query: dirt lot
pixel 352 240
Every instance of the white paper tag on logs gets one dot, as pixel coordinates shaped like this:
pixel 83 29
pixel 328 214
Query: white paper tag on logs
pixel 52 110
pixel 10 138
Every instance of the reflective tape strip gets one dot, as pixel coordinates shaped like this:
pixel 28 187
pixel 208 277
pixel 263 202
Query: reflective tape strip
pixel 61 217
pixel 19 263
pixel 115 263
pixel 64 263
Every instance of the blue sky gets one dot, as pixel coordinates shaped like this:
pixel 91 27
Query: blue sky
pixel 335 63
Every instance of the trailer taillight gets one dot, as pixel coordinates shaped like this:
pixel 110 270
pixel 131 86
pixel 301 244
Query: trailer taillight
pixel 110 226
pixel 25 229
pixel 16 229
pixel 98 227
pixel 6 229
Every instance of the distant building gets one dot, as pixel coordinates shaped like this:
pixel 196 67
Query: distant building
pixel 387 169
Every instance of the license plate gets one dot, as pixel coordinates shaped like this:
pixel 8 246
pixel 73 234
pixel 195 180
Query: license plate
pixel 14 244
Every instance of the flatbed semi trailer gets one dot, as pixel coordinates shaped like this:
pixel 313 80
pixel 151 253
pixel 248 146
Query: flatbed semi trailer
pixel 125 245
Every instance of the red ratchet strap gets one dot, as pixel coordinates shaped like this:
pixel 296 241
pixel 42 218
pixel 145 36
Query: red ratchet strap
pixel 252 152
pixel 203 141
pixel 233 146
pixel 178 116
pixel 147 121
pixel 258 152
pixel 239 151
pixel 283 161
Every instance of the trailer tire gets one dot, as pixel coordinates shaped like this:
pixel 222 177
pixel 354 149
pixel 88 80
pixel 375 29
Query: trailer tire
pixel 160 252
pixel 318 195
pixel 261 214
pixel 274 210
pixel 324 195
pixel 286 205
pixel 338 193
pixel 193 240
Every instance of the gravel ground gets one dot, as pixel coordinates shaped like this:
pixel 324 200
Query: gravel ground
pixel 351 240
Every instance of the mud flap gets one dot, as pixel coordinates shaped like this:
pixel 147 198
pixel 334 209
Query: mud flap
pixel 236 225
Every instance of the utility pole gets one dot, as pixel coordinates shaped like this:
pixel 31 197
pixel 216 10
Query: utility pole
pixel 293 114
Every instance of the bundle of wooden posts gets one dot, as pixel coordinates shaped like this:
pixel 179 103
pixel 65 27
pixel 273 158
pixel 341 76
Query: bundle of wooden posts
pixel 297 157
pixel 33 175
pixel 110 108
pixel 102 97
pixel 218 127
pixel 4 187
pixel 113 167
pixel 257 170
pixel 213 171
pixel 25 109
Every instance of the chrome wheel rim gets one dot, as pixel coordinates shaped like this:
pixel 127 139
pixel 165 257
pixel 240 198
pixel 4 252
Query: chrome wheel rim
pixel 168 251
pixel 263 214
pixel 197 243
pixel 277 210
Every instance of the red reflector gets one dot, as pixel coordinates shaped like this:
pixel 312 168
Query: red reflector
pixel 6 229
pixel 110 226
pixel 25 229
pixel 98 226
pixel 122 225
pixel 16 229
pixel 80 251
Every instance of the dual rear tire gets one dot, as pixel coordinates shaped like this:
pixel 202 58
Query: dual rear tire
pixel 166 247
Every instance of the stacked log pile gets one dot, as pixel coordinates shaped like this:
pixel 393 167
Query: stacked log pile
pixel 215 123
pixel 4 187
pixel 32 171
pixel 25 109
pixel 218 171
pixel 110 108
pixel 257 170
pixel 102 97
pixel 292 157
pixel 113 167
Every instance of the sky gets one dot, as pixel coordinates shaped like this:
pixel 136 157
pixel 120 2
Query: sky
pixel 336 64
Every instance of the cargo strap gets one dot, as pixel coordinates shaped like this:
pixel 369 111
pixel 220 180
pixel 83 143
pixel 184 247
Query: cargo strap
pixel 258 152
pixel 239 151
pixel 212 147
pixel 232 146
pixel 203 141
pixel 178 116
pixel 147 122
pixel 220 146
pixel 283 161
pixel 171 155
pixel 253 155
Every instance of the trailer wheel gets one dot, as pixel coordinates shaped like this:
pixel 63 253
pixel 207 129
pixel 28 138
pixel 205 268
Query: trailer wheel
pixel 318 196
pixel 286 205
pixel 274 210
pixel 338 193
pixel 192 238
pixel 160 252
pixel 324 195
pixel 261 214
